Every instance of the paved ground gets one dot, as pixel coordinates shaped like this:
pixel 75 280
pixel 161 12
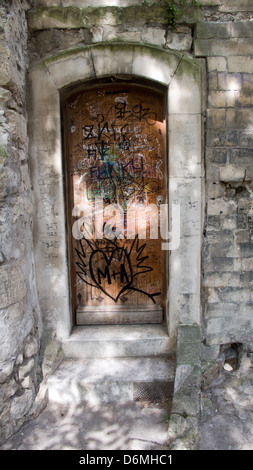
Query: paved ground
pixel 227 411
pixel 226 423
pixel 133 426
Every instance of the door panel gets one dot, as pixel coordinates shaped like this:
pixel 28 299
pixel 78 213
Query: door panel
pixel 116 179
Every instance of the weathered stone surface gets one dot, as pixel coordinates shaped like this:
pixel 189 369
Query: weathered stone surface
pixel 240 63
pixel 185 413
pixel 17 288
pixel 31 346
pixel 25 369
pixel 20 405
pixel 212 30
pixel 12 282
pixel 215 47
pixel 66 49
pixel 232 173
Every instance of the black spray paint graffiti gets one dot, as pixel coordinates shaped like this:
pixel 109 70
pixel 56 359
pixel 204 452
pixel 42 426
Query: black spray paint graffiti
pixel 104 133
pixel 107 262
pixel 114 179
pixel 111 173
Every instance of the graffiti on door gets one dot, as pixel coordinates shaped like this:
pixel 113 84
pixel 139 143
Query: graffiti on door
pixel 116 152
pixel 101 263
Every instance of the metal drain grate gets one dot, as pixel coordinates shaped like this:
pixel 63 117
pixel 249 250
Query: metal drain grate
pixel 153 391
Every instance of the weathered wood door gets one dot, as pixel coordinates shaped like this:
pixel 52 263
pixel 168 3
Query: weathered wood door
pixel 116 180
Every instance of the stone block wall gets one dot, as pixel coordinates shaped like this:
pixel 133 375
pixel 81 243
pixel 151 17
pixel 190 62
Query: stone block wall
pixel 19 310
pixel 226 44
pixel 219 34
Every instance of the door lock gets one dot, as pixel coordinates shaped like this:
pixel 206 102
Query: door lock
pixel 159 200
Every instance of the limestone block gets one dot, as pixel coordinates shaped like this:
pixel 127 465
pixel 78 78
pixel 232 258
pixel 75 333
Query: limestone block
pixel 186 306
pixel 221 280
pixel 216 118
pixel 245 46
pixel 71 67
pixel 216 63
pixel 97 33
pixel 185 265
pixel 112 60
pixel 212 30
pixel 185 147
pixel 154 36
pixel 232 173
pixel 249 174
pixel 215 47
pixel 231 294
pixel 186 399
pixel 240 63
pixel 215 155
pixel 245 99
pixel 240 119
pixel 214 190
pixel 55 18
pixel 155 64
pixel 221 138
pixel 212 80
pixel 241 29
pixel 180 40
pixel 43 95
pixel 234 6
pixel 187 192
pixel 230 81
pixel 185 89
pixel 217 99
pixel 131 34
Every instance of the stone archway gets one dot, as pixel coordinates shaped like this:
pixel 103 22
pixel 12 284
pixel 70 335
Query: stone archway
pixel 47 82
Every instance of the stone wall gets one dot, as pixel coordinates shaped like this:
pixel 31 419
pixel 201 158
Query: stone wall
pixel 19 312
pixel 226 43
pixel 219 34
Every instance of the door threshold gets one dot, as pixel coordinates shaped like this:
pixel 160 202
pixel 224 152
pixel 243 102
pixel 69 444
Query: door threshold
pixel 92 341
pixel 119 314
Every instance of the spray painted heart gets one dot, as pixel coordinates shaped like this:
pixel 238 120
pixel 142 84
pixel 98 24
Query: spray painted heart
pixel 111 272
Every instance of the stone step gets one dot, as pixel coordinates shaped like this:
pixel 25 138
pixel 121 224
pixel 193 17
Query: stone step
pixel 101 380
pixel 116 341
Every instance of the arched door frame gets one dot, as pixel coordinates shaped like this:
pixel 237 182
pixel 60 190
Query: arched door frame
pixel 48 82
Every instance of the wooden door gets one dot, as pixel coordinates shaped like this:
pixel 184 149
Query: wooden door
pixel 116 180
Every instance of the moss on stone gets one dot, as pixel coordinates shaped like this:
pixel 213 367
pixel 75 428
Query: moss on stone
pixel 74 17
pixel 190 67
pixel 114 46
pixel 3 155
pixel 63 55
pixel 45 17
